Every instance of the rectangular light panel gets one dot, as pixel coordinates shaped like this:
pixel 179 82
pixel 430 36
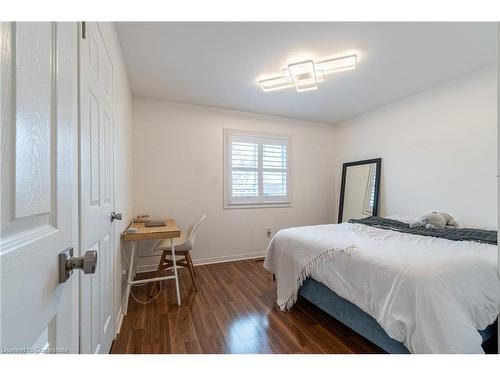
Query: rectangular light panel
pixel 303 75
pixel 277 83
pixel 338 64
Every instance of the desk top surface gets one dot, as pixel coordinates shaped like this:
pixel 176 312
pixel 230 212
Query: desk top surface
pixel 171 230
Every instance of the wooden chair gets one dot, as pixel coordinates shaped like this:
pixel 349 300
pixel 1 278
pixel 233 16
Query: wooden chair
pixel 183 245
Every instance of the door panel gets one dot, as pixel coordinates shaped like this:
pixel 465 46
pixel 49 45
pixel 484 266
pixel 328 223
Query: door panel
pixel 38 90
pixel 97 137
pixel 34 125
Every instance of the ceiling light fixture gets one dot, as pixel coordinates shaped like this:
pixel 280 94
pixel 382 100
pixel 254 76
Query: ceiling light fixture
pixel 305 75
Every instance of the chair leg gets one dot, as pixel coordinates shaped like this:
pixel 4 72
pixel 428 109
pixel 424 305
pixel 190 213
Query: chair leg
pixel 190 261
pixel 191 268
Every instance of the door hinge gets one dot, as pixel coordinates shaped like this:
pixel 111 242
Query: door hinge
pixel 84 30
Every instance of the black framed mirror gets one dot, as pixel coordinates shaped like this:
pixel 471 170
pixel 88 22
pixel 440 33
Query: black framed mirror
pixel 359 191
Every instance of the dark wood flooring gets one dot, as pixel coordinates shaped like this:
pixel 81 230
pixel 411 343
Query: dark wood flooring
pixel 234 311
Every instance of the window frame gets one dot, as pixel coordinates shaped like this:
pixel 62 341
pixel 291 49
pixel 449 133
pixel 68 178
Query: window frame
pixel 259 201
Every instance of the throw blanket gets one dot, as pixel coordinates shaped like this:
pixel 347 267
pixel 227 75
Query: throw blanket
pixel 453 234
pixel 294 253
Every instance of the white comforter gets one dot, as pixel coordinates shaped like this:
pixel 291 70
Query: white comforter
pixel 431 294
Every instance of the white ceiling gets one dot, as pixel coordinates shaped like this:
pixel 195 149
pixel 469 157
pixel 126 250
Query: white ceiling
pixel 218 64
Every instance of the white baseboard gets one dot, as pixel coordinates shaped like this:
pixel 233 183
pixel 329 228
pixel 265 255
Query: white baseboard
pixel 152 262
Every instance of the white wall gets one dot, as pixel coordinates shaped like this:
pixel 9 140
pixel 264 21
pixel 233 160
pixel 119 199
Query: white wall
pixel 438 150
pixel 178 173
pixel 123 154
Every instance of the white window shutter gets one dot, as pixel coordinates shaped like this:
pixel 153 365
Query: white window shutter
pixel 244 169
pixel 257 169
pixel 274 170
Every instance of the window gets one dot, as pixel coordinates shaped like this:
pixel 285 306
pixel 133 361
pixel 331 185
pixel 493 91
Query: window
pixel 256 169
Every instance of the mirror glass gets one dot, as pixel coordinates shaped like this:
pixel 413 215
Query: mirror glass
pixel 359 190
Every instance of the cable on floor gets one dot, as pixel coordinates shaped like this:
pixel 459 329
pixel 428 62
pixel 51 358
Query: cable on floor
pixel 124 256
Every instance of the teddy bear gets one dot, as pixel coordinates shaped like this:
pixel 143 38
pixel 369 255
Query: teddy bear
pixel 435 220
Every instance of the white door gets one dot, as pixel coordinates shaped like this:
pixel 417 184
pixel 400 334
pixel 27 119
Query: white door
pixel 39 190
pixel 96 194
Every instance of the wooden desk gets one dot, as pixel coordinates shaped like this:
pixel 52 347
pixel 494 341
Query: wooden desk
pixel 169 231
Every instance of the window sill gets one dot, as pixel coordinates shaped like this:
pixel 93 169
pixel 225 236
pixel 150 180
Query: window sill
pixel 233 206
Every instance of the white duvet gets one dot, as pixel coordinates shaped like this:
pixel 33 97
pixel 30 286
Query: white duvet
pixel 431 294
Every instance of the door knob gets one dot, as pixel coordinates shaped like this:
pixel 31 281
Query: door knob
pixel 115 216
pixel 67 263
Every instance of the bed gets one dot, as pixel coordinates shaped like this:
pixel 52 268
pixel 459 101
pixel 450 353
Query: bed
pixel 404 292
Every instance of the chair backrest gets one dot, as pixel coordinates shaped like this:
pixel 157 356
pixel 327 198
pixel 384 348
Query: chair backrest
pixel 193 230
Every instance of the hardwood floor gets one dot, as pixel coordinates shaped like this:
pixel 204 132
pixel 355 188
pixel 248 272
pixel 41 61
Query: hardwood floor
pixel 234 311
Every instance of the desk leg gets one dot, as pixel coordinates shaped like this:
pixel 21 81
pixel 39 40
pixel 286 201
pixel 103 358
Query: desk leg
pixel 175 272
pixel 130 276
